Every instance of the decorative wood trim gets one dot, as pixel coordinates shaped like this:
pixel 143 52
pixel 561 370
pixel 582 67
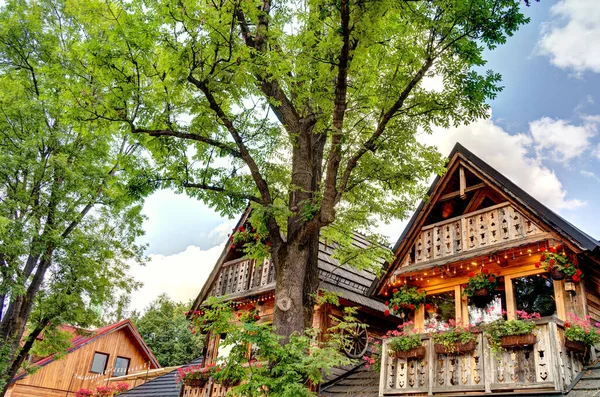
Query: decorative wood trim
pixel 451 195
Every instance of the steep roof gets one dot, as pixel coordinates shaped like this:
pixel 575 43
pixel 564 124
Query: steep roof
pixel 494 178
pixel 358 381
pixel 162 386
pixel 83 337
pixel 588 384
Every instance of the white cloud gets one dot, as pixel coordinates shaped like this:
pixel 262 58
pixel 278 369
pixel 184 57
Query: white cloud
pixel 509 154
pixel 180 275
pixel 558 140
pixel 597 151
pixel 572 38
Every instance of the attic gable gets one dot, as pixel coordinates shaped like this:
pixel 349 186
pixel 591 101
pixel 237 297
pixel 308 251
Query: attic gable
pixel 474 206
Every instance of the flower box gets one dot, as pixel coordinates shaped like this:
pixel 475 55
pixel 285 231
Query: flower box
pixel 417 352
pixel 457 348
pixel 518 340
pixel 575 346
pixel 195 382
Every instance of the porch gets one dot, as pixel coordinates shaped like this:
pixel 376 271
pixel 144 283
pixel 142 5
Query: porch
pixel 544 366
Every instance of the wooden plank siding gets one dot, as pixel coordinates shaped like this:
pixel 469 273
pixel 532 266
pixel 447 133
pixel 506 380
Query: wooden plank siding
pixel 57 378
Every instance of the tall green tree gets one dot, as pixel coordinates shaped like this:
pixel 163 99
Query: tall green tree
pixel 68 221
pixel 309 109
pixel 166 330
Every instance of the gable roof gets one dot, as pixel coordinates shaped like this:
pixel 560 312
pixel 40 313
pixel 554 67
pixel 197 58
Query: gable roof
pixel 495 179
pixel 348 282
pixel 83 337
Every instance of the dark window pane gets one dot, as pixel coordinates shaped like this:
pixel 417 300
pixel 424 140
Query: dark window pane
pixel 439 309
pixel 535 294
pixel 99 363
pixel 121 366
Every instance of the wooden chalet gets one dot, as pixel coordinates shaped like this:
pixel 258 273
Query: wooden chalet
pixel 93 358
pixel 243 281
pixel 477 219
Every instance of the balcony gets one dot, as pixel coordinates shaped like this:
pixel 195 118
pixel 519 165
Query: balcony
pixel 242 277
pixel 493 228
pixel 210 389
pixel 544 366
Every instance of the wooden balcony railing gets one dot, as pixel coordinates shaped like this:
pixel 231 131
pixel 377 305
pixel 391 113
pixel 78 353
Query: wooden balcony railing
pixel 492 226
pixel 546 366
pixel 210 389
pixel 243 276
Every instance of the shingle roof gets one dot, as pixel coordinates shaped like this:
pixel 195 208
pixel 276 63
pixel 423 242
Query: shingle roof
pixel 588 384
pixel 349 283
pixel 162 386
pixel 359 381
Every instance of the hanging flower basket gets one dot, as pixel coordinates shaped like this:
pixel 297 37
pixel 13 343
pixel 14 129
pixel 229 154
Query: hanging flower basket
pixel 518 340
pixel 575 346
pixel 482 292
pixel 557 274
pixel 457 348
pixel 417 352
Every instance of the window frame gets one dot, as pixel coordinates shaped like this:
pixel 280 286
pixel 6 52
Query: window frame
pixel 105 362
pixel 126 368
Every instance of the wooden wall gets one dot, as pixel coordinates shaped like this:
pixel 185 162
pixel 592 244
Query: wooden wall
pixel 56 378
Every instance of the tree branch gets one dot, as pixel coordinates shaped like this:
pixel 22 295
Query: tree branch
pixel 193 137
pixel 204 186
pixel 335 152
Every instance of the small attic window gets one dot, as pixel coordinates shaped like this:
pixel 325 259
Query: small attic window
pixel 99 363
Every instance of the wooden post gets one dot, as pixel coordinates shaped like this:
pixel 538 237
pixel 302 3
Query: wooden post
pixel 458 306
pixel 559 297
pixel 383 369
pixel 510 298
pixel 463 183
pixel 420 318
pixel 554 355
pixel 431 360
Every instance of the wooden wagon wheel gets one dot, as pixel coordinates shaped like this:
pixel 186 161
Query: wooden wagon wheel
pixel 358 341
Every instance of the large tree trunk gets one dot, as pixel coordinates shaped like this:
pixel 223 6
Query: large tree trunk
pixel 294 302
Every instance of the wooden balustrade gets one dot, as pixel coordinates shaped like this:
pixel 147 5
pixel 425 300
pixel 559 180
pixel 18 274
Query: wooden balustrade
pixel 474 231
pixel 210 389
pixel 244 276
pixel 545 365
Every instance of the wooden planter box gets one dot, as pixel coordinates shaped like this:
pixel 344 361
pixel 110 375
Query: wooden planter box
pixel 458 348
pixel 417 352
pixel 518 340
pixel 195 382
pixel 575 346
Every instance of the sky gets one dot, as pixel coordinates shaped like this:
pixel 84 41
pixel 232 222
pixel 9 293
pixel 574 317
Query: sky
pixel 543 134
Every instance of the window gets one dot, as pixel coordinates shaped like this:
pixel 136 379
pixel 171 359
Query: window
pixel 439 309
pixel 99 363
pixel 121 366
pixel 223 350
pixel 487 310
pixel 535 293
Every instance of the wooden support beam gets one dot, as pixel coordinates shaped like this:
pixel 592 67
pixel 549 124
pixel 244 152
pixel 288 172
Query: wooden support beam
pixel 463 182
pixel 457 193
pixel 559 298
pixel 510 298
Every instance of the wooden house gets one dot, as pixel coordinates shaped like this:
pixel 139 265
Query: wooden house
pixel 243 281
pixel 93 358
pixel 477 220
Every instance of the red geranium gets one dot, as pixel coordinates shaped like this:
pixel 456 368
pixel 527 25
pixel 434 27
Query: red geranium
pixel 464 285
pixel 491 279
pixel 538 264
pixel 387 303
pixel 395 307
pixel 551 262
pixel 386 313
pixel 576 279
pixel 471 274
pixel 485 271
pixel 394 290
